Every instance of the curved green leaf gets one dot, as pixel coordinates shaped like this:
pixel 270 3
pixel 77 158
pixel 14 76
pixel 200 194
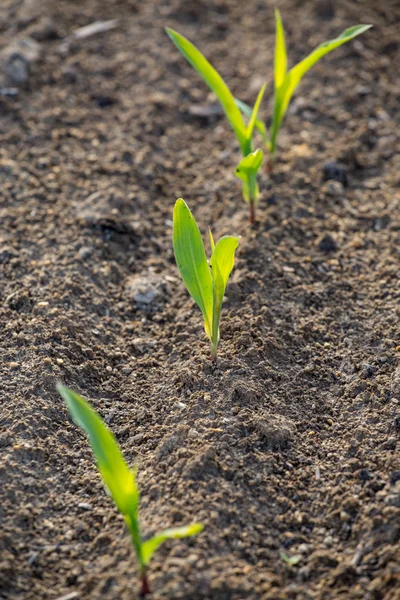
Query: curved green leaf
pixel 150 546
pixel 212 243
pixel 254 114
pixel 247 171
pixel 119 479
pixel 221 263
pixel 192 261
pixel 284 92
pixel 214 81
pixel 259 124
pixel 280 52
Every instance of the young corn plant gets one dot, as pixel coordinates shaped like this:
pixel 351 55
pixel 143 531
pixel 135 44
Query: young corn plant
pixel 120 482
pixel 286 82
pixel 244 133
pixel 247 171
pixel 205 282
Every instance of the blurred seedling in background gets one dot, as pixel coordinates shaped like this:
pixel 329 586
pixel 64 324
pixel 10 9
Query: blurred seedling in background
pixel 286 82
pixel 244 133
pixel 205 282
pixel 120 482
pixel 247 171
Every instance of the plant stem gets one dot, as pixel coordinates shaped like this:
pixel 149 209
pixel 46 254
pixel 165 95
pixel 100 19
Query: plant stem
pixel 145 589
pixel 252 212
pixel 214 347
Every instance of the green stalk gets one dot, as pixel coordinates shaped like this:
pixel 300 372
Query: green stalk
pixel 253 193
pixel 215 326
pixel 134 529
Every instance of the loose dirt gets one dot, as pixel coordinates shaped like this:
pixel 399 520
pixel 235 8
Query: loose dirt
pixel 290 446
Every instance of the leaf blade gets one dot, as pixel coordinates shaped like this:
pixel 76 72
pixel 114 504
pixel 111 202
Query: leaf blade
pixel 254 114
pixel 259 124
pixel 214 81
pixel 222 262
pixel 191 260
pixel 296 74
pixel 118 478
pixel 280 65
pixel 151 545
pixel 247 170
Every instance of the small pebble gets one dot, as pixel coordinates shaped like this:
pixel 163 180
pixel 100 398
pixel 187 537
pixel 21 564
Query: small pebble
pixel 364 475
pixel 85 252
pixel 326 243
pixel 394 477
pixel 390 444
pixel 335 172
pixel 334 188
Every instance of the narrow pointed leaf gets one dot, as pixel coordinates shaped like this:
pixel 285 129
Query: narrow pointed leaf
pixel 150 546
pixel 296 74
pixel 247 171
pixel 280 52
pixel 259 124
pixel 222 262
pixel 254 114
pixel 212 243
pixel 119 479
pixel 214 81
pixel 192 261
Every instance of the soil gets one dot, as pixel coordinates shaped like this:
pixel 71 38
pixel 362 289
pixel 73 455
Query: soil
pixel 289 447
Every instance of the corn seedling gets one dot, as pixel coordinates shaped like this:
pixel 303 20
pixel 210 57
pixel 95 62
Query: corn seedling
pixel 205 282
pixel 286 82
pixel 120 481
pixel 213 79
pixel 247 171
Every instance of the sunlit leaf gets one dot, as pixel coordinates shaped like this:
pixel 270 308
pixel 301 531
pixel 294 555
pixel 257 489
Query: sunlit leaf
pixel 192 261
pixel 259 124
pixel 151 545
pixel 222 262
pixel 284 92
pixel 214 82
pixel 254 114
pixel 212 243
pixel 291 560
pixel 280 52
pixel 247 171
pixel 119 479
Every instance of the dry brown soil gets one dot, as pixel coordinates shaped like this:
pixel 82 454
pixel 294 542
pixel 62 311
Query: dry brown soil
pixel 291 444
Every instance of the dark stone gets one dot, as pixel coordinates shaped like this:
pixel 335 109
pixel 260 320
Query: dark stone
pixel 397 423
pixel 325 9
pixel 104 101
pixel 394 477
pixel 128 157
pixel 272 200
pixel 364 475
pixel 326 243
pixel 368 371
pixel 336 172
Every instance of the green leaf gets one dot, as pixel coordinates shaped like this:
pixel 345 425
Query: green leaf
pixel 119 479
pixel 280 52
pixel 214 82
pixel 259 124
pixel 253 117
pixel 291 560
pixel 222 262
pixel 150 546
pixel 212 243
pixel 192 261
pixel 247 171
pixel 284 92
